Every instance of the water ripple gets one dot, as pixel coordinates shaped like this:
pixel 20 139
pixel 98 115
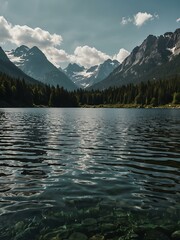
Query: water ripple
pixel 50 155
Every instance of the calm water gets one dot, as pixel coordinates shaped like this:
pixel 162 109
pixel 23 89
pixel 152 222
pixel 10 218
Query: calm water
pixel 76 158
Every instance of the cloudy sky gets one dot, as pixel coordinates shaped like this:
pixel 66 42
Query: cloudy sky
pixel 85 31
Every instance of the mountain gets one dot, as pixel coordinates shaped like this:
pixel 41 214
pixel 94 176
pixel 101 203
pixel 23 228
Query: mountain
pixel 86 77
pixel 7 67
pixel 155 58
pixel 34 63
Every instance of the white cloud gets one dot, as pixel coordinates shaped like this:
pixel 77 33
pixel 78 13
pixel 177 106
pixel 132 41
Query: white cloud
pixel 178 20
pixel 36 36
pixel 83 55
pixel 56 56
pixel 88 56
pixel 29 36
pixel 123 53
pixel 24 35
pixel 139 19
pixel 50 43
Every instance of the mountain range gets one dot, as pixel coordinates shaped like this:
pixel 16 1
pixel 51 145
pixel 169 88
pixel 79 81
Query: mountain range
pixel 7 67
pixel 87 77
pixel 156 58
pixel 34 63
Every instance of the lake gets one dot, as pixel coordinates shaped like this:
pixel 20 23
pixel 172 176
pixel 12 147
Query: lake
pixel 82 169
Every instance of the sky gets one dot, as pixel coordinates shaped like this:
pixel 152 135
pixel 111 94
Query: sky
pixel 86 32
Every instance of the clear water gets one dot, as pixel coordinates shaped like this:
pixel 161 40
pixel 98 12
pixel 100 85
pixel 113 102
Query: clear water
pixel 74 159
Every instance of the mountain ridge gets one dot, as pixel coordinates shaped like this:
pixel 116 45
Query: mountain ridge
pixel 34 63
pixel 9 68
pixel 86 77
pixel 150 56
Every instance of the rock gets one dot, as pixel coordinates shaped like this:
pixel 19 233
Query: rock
pixel 155 235
pixel 89 222
pixel 176 235
pixel 131 236
pixel 97 237
pixel 78 236
pixel 19 226
pixel 108 227
pixel 94 211
pixel 56 238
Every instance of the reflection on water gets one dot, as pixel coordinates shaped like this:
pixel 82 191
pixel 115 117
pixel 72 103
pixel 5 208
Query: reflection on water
pixel 50 156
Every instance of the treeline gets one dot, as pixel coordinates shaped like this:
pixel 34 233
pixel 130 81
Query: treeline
pixel 17 93
pixel 155 93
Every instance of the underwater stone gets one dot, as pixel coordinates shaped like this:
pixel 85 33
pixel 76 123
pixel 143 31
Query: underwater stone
pixel 78 236
pixel 19 226
pixel 97 237
pixel 176 235
pixel 108 227
pixel 89 222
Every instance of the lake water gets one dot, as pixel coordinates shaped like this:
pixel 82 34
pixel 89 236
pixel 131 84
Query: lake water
pixel 88 164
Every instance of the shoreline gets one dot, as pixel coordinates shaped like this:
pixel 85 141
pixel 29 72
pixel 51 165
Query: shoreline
pixel 133 106
pixel 171 106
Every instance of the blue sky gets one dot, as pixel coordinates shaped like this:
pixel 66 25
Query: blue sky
pixel 85 31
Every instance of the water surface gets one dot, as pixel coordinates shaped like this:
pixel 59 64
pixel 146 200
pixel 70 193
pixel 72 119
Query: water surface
pixel 74 158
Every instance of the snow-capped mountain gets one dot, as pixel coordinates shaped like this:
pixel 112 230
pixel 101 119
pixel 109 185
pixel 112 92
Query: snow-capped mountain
pixel 34 63
pixel 155 58
pixel 86 77
pixel 9 68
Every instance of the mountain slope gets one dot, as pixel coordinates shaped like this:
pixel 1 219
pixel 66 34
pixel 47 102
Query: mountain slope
pixel 85 77
pixel 7 67
pixel 148 61
pixel 34 63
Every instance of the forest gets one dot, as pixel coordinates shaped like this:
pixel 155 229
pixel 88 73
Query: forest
pixel 17 93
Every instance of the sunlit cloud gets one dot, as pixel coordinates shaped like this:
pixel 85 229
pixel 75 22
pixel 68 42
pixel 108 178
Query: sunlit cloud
pixel 88 56
pixel 122 55
pixel 30 36
pixel 50 45
pixel 139 19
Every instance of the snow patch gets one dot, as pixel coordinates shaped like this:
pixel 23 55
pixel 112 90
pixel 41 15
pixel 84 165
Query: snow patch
pixel 172 50
pixel 16 60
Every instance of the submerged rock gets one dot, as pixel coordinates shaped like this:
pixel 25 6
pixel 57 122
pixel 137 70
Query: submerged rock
pixel 108 227
pixel 176 235
pixel 97 237
pixel 77 236
pixel 89 222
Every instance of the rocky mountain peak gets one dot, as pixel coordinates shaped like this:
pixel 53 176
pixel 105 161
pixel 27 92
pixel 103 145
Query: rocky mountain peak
pixel 37 52
pixel 144 60
pixel 73 67
pixel 34 63
pixel 21 50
